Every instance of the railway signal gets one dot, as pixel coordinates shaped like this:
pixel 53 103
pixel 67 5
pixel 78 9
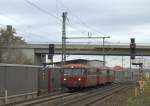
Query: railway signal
pixel 132 48
pixel 140 64
pixel 51 51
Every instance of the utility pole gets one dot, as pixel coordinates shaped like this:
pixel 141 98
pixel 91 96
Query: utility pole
pixel 64 16
pixel 104 61
pixel 63 61
pixel 122 63
pixel 132 52
pixel 131 69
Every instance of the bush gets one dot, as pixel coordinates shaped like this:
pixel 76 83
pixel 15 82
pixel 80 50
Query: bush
pixel 141 99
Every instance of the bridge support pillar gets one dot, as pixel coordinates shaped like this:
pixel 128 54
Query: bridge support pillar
pixel 39 59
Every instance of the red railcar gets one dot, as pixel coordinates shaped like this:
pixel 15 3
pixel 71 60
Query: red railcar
pixel 77 76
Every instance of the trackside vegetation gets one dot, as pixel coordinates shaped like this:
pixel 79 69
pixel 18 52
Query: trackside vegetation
pixel 142 99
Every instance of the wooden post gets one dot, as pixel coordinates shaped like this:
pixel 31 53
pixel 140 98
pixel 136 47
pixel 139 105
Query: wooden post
pixel 136 91
pixel 6 97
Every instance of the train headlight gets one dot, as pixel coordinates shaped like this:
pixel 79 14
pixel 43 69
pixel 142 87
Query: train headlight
pixel 65 79
pixel 79 79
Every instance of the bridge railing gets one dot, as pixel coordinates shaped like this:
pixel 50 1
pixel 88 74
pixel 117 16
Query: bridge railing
pixel 91 43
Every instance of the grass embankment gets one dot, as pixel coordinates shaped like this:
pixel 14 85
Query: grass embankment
pixel 142 99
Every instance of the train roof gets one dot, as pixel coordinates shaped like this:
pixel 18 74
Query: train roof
pixel 119 68
pixel 82 66
pixel 76 66
pixel 80 61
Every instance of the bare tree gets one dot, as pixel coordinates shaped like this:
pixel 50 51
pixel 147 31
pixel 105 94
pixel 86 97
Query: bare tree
pixel 8 38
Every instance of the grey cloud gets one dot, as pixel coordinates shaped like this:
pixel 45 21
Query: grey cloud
pixel 114 17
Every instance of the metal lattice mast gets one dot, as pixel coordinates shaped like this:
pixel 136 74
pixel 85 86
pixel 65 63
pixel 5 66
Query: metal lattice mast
pixel 64 16
pixel 104 59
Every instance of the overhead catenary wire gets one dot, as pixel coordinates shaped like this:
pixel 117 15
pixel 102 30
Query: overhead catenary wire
pixel 82 23
pixel 75 27
pixel 69 23
pixel 27 34
pixel 41 9
pixel 52 15
pixel 22 30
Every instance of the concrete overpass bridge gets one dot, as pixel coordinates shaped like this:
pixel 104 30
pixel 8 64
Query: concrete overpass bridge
pixel 37 52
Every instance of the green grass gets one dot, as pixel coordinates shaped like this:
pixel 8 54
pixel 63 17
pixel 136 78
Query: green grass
pixel 142 99
pixel 139 101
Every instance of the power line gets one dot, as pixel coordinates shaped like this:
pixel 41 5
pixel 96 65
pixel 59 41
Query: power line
pixel 41 9
pixel 51 15
pixel 69 23
pixel 76 28
pixel 33 34
pixel 23 29
pixel 77 18
pixel 72 15
pixel 24 33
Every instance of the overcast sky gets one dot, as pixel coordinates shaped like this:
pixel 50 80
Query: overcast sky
pixel 119 19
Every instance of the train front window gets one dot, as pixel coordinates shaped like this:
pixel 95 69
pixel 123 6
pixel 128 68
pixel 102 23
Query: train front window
pixel 77 72
pixel 73 72
pixel 67 72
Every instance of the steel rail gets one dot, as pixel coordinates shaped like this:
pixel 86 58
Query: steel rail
pixel 38 99
pixel 50 98
pixel 103 97
pixel 84 98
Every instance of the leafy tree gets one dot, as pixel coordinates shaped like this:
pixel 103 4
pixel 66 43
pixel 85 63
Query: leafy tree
pixel 8 38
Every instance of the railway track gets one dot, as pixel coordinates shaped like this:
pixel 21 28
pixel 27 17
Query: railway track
pixel 42 99
pixel 90 99
pixel 70 99
pixel 102 97
pixel 37 100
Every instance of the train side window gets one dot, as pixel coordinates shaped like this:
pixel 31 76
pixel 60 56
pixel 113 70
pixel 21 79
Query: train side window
pixel 100 73
pixel 88 71
pixel 92 71
pixel 104 73
pixel 84 72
